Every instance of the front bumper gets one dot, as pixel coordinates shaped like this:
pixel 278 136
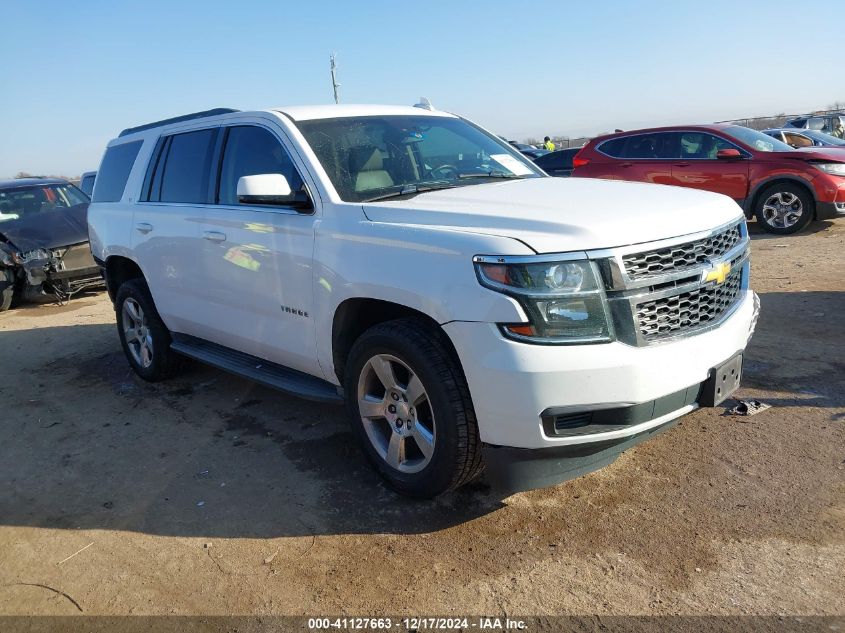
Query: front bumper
pixel 513 384
pixel 517 469
pixel 830 210
pixel 69 269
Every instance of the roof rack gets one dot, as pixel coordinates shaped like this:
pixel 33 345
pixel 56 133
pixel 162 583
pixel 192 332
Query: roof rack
pixel 178 119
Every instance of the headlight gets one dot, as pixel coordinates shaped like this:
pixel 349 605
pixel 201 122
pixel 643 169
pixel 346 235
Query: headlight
pixel 563 299
pixel 7 256
pixel 38 253
pixel 837 169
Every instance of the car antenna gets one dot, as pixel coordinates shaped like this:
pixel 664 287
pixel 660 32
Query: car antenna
pixel 424 103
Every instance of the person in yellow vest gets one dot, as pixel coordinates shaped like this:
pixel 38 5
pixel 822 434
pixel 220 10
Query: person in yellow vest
pixel 547 144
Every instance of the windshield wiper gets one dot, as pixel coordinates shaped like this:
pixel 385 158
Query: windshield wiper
pixel 491 174
pixel 412 190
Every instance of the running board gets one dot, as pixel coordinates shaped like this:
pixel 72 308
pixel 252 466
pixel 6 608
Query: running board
pixel 262 371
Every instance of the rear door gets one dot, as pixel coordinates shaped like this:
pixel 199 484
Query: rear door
pixel 256 275
pixel 699 168
pixel 166 228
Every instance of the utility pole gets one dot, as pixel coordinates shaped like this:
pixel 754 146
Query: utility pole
pixel 335 85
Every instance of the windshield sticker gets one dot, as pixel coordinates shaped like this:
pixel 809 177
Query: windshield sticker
pixel 512 164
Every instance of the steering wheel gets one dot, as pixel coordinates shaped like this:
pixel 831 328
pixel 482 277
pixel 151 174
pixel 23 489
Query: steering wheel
pixel 447 172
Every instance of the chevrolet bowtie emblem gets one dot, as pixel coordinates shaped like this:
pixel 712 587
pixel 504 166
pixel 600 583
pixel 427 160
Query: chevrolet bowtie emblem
pixel 718 273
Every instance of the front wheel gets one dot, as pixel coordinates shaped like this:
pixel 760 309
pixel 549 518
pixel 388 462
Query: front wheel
pixel 785 208
pixel 410 408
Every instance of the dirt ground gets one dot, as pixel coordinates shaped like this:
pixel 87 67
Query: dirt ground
pixel 211 495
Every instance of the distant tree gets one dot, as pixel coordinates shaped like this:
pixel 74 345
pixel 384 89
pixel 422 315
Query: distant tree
pixel 23 174
pixel 531 141
pixel 837 105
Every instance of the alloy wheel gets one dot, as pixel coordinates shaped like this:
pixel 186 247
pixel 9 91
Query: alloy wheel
pixel 137 333
pixel 396 413
pixel 782 210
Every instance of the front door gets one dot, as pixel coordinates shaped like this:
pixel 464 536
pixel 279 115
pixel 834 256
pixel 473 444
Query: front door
pixel 257 260
pixel 699 168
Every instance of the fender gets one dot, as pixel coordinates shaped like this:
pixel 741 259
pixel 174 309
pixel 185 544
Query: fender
pixel 748 203
pixel 426 269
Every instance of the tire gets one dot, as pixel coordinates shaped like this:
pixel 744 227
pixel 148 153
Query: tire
pixel 440 446
pixel 7 289
pixel 144 337
pixel 784 208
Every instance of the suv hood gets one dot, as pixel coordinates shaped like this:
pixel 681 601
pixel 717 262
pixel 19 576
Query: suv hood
pixel 556 215
pixel 48 229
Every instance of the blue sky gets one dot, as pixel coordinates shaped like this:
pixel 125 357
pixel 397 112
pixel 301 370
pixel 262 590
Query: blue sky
pixel 75 74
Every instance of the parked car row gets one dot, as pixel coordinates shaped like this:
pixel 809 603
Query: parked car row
pixel 805 138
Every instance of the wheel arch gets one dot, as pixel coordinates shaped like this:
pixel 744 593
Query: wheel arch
pixel 754 198
pixel 354 316
pixel 120 269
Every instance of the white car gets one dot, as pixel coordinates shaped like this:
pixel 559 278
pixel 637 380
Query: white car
pixel 470 310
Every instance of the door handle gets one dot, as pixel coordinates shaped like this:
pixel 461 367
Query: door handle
pixel 684 164
pixel 214 236
pixel 143 227
pixel 626 164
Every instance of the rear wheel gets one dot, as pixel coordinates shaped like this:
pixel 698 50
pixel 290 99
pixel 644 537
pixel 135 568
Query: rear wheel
pixel 143 335
pixel 410 408
pixel 785 208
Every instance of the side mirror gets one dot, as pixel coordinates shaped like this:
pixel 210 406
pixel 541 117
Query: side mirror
pixel 270 189
pixel 728 154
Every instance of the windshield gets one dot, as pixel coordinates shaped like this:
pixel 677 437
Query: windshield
pixel 827 139
pixel 756 140
pixel 28 201
pixel 368 158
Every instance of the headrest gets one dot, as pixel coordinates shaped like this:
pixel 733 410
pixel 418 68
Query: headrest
pixel 366 158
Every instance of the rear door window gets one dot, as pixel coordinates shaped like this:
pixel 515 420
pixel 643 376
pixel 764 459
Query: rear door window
pixel 114 171
pixel 614 148
pixel 183 170
pixel 654 146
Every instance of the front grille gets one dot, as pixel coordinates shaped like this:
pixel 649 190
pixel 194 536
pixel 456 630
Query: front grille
pixel 687 311
pixel 680 257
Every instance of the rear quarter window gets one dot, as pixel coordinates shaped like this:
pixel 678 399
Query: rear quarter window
pixel 183 169
pixel 114 171
pixel 614 148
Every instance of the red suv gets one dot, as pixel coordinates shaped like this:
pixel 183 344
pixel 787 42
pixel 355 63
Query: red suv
pixel 784 188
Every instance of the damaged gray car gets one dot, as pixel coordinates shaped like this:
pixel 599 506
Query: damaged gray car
pixel 44 250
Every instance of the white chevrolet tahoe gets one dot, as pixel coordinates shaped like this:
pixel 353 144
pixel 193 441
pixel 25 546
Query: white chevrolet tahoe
pixel 471 311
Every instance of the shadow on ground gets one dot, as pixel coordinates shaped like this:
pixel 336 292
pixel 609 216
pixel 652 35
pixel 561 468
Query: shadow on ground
pixel 203 454
pixel 757 232
pixel 86 444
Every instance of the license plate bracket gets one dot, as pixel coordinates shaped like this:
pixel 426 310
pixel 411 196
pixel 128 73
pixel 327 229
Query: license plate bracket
pixel 722 382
